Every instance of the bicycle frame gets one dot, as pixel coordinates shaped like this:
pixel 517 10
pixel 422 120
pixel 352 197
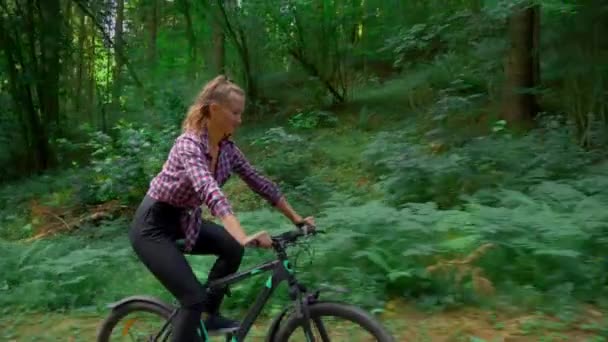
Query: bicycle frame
pixel 281 271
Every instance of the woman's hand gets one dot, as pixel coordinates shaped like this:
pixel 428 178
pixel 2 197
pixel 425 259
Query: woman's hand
pixel 309 221
pixel 307 224
pixel 260 239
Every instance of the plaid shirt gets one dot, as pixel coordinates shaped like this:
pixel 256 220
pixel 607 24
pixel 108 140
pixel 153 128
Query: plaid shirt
pixel 186 181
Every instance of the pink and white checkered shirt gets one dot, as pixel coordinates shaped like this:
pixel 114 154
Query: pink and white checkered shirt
pixel 186 181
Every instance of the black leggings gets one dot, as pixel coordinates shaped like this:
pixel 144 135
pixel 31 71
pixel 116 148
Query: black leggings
pixel 153 234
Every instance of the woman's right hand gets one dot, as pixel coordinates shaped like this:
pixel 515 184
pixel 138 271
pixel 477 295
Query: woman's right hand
pixel 260 239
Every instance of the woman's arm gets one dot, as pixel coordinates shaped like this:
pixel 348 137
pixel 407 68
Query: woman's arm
pixel 288 211
pixel 263 186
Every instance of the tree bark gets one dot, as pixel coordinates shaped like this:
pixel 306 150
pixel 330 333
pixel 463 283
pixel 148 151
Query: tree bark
pixel 536 76
pixel 119 50
pixel 152 23
pixel 237 35
pixel 82 37
pixel 92 93
pixel 519 104
pixel 23 99
pixel 50 47
pixel 219 50
pixel 184 6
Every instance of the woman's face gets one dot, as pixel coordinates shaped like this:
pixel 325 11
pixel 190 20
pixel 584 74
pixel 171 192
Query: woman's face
pixel 226 117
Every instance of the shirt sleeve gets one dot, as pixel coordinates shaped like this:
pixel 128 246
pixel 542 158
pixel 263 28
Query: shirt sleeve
pixel 197 169
pixel 258 183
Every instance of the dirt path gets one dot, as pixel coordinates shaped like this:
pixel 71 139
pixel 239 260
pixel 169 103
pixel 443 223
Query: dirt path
pixel 468 325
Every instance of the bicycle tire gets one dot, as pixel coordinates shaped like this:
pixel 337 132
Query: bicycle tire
pixel 335 309
pixel 116 315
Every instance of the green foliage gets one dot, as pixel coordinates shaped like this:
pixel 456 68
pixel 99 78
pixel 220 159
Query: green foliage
pixel 64 272
pixel 121 167
pixel 284 156
pixel 417 173
pixel 290 160
pixel 313 119
pixel 542 240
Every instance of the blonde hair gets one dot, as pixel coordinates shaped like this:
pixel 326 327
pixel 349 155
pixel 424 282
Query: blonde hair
pixel 216 90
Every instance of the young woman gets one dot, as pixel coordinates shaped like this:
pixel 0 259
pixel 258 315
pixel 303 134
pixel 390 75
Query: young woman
pixel 199 163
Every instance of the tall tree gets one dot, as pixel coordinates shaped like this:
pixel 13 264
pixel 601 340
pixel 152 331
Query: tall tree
pixel 522 72
pixel 50 46
pixel 185 8
pixel 219 39
pixel 119 51
pixel 152 23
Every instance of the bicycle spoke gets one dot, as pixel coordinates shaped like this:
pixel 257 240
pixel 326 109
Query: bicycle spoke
pixel 141 327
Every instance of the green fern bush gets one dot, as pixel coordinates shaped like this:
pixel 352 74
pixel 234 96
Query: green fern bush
pixel 551 239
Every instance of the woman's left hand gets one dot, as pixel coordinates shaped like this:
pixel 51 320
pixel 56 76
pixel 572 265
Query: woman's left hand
pixel 309 221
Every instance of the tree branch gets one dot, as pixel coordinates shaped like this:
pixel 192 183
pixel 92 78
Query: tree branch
pixel 106 36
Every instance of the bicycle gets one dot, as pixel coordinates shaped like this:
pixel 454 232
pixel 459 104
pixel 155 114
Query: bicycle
pixel 306 306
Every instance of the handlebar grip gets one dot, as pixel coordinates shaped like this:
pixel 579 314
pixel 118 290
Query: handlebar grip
pixel 306 228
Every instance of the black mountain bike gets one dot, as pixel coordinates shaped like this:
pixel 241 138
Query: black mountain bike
pixel 306 311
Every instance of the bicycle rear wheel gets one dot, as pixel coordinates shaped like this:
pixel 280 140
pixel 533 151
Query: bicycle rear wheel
pixel 120 325
pixel 372 330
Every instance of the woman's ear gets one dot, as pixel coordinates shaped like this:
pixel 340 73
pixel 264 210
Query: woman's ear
pixel 213 108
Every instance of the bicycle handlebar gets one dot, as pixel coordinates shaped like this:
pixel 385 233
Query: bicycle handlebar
pixel 292 236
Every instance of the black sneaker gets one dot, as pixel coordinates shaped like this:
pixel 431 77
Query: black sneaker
pixel 217 324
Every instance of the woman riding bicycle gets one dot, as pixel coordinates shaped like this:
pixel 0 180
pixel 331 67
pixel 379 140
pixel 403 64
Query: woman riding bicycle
pixel 199 163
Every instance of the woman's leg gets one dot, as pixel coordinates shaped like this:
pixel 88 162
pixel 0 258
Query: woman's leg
pixel 214 239
pixel 151 239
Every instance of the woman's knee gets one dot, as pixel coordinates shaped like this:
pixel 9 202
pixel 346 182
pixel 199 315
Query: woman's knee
pixel 233 251
pixel 134 234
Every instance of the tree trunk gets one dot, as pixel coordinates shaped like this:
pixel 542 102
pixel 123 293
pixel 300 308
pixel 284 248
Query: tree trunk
pixel 92 93
pixel 536 76
pixel 119 49
pixel 519 104
pixel 219 51
pixel 237 35
pixel 69 76
pixel 184 6
pixel 50 45
pixel 23 99
pixel 152 22
pixel 82 37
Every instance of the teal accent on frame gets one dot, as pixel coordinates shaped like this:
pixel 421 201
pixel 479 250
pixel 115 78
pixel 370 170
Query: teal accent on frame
pixel 287 266
pixel 204 332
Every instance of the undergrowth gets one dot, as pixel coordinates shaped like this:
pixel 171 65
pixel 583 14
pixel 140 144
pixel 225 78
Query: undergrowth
pixel 497 217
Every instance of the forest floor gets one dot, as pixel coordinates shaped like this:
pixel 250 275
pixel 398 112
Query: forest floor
pixel 407 323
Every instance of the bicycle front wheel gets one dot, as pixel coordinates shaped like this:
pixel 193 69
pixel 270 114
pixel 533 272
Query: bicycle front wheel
pixel 354 324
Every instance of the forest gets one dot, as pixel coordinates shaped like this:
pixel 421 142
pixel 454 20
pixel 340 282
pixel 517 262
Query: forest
pixel 455 152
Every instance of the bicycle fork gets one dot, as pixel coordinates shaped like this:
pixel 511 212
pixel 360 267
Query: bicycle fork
pixel 303 299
